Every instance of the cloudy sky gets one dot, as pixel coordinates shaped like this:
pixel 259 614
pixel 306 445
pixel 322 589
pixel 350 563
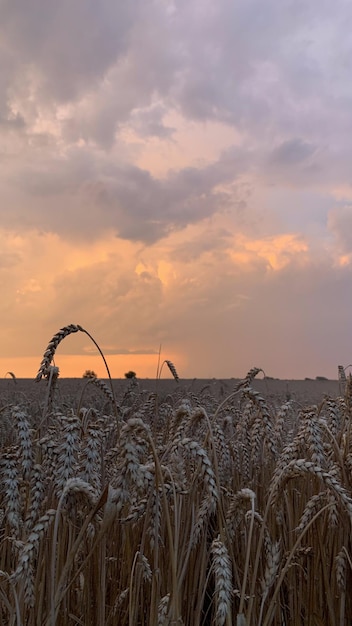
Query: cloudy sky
pixel 177 173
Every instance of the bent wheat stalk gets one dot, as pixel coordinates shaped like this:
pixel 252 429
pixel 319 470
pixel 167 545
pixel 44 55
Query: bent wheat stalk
pixel 44 368
pixel 171 367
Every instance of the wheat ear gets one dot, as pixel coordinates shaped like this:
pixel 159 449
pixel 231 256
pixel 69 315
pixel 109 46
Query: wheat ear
pixel 51 348
pixel 223 580
pixel 172 369
pixel 53 344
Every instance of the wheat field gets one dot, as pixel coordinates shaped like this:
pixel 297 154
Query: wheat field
pixel 130 506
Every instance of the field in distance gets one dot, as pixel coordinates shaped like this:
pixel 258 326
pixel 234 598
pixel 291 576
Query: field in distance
pixel 275 390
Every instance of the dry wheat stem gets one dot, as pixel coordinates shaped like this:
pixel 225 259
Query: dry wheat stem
pixel 250 494
pixel 284 570
pixel 59 591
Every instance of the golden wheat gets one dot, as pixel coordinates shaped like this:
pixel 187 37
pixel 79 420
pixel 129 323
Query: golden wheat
pixel 188 509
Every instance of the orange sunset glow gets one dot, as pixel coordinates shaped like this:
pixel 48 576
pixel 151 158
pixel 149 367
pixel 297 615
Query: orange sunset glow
pixel 176 175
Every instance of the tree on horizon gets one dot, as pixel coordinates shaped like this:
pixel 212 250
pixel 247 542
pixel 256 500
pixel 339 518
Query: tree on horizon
pixel 89 374
pixel 130 374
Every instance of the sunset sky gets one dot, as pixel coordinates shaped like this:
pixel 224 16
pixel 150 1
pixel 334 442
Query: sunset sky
pixel 177 173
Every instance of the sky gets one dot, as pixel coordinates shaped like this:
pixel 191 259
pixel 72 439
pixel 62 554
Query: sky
pixel 176 176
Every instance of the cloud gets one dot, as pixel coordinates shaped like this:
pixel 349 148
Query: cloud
pixel 79 78
pixel 77 196
pixel 8 260
pixel 179 173
pixel 292 152
pixel 340 224
pixel 236 302
pixel 66 47
pixel 120 351
pixel 148 122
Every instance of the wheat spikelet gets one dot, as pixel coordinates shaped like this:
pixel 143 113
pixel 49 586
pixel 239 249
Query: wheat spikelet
pixel 101 384
pixel 24 438
pixel 203 514
pixel 206 470
pixel 223 580
pixel 340 564
pixel 197 425
pixel 179 420
pixel 256 438
pixel 243 442
pixel 29 596
pixel 259 402
pixel 273 555
pixel 290 452
pixel 206 476
pixel 312 431
pixel 342 378
pixel 162 611
pixel 154 522
pixel 146 569
pixel 341 373
pixel 30 548
pixel 348 393
pixel 49 451
pixel 235 510
pixel 223 452
pixel 133 446
pixel 52 375
pixel 122 596
pixel 137 510
pixel 172 369
pixel 301 466
pixel 12 376
pixel 38 484
pixel 67 452
pixel 90 458
pixel 51 348
pixel 162 423
pixel 11 492
pixel 313 505
pixel 246 381
pixel 333 520
pixel 79 486
pixel 281 421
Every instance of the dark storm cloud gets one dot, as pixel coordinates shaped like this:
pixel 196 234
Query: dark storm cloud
pixel 228 60
pixel 237 55
pixel 82 197
pixel 75 75
pixel 143 208
pixel 69 44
